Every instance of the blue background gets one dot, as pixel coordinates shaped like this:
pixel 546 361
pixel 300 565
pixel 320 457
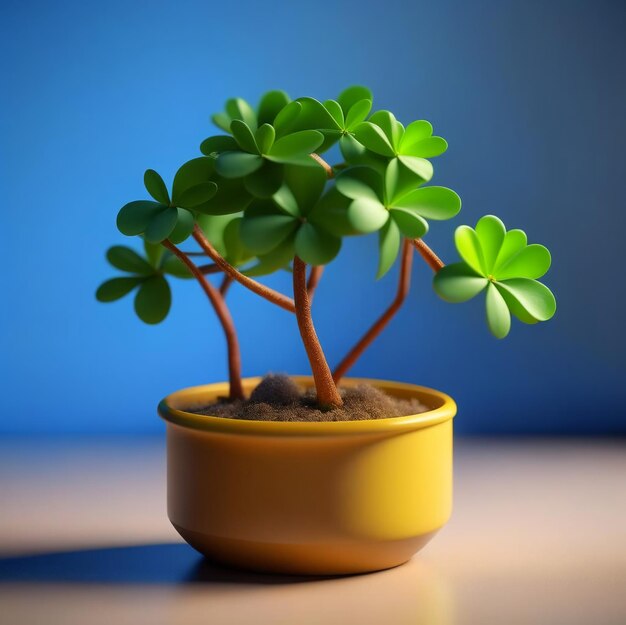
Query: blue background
pixel 530 95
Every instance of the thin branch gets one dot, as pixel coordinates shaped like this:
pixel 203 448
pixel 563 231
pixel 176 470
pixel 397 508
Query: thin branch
pixel 327 393
pixel 209 269
pixel 194 253
pixel 224 316
pixel 314 278
pixel 329 170
pixel 226 282
pixel 404 285
pixel 260 289
pixel 433 261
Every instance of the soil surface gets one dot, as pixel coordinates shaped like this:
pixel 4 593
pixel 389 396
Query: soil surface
pixel 278 398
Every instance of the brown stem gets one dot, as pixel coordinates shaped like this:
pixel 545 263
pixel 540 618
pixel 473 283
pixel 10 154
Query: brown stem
pixel 433 261
pixel 224 316
pixel 209 269
pixel 226 282
pixel 404 284
pixel 314 279
pixel 327 393
pixel 260 289
pixel 329 170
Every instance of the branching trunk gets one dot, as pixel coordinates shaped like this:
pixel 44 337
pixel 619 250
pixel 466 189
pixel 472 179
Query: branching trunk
pixel 315 276
pixel 226 321
pixel 327 393
pixel 260 289
pixel 404 285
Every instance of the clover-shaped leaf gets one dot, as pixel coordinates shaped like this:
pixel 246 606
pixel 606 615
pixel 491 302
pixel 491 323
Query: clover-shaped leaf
pixel 502 263
pixel 393 204
pixel 272 103
pixel 382 134
pixel 334 118
pixel 168 219
pixel 257 156
pixel 276 229
pixel 146 275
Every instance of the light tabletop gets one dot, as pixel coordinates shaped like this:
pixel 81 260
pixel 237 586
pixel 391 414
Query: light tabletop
pixel 538 535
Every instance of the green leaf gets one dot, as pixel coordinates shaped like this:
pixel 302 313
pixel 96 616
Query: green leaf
pixel 155 186
pixel 175 267
pixel 366 215
pixel 238 108
pixel 297 144
pixel 161 225
pixel 428 148
pixel 126 259
pixel 116 288
pixel 531 262
pixel 231 197
pixel 154 253
pixel 196 195
pixel 153 300
pixel 410 223
pixel 535 298
pixel 184 226
pixel 420 166
pixel 315 246
pixel 237 164
pixel 244 136
pixel 431 202
pixel 306 184
pixel 263 227
pixel 271 104
pixel 285 120
pixel 190 174
pixel 265 136
pixel 374 139
pixel 265 181
pixel 331 213
pixel 358 113
pixel 498 315
pixel 399 181
pixel 389 245
pixel 134 217
pixel 335 110
pixel 414 133
pixel 286 201
pixel 221 120
pixel 351 149
pixel 315 116
pixel 389 125
pixel 278 258
pixel 458 283
pixel 490 232
pixel 236 251
pixel 468 245
pixel 213 227
pixel 514 241
pixel 219 143
pixel 360 183
pixel 350 96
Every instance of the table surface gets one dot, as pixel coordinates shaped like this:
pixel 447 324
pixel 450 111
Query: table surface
pixel 538 535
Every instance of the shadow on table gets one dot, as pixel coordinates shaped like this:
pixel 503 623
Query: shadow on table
pixel 137 564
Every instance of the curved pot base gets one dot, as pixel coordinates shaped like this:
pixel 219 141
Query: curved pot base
pixel 341 558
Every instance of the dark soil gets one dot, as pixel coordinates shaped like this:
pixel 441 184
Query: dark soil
pixel 278 398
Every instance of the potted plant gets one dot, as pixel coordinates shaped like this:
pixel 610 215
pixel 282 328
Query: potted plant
pixel 321 474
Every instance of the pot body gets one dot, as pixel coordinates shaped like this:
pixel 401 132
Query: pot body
pixel 309 498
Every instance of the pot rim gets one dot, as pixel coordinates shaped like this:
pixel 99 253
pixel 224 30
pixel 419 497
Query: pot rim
pixel 443 409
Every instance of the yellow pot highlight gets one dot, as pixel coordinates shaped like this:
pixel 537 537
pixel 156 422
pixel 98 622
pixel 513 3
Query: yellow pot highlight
pixel 309 498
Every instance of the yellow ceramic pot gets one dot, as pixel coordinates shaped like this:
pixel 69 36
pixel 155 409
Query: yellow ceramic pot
pixel 309 498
